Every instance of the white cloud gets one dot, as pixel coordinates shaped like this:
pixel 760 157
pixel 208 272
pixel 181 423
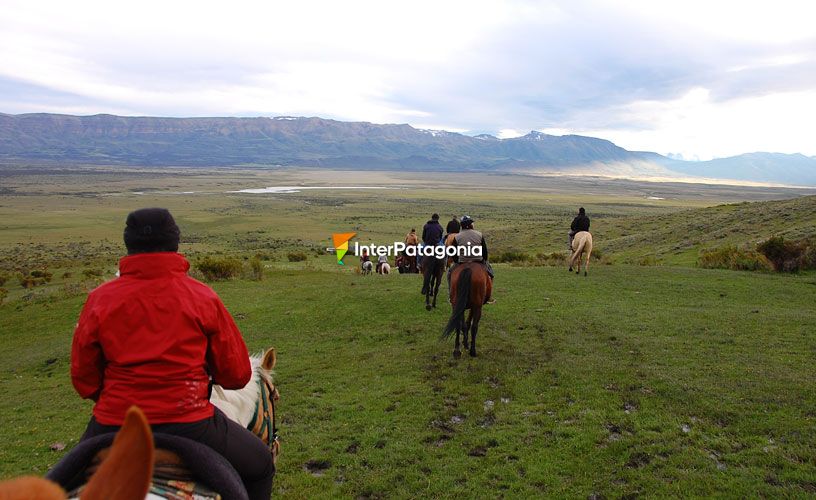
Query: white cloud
pixel 696 127
pixel 694 77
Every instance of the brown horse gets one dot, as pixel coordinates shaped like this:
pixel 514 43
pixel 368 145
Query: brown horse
pixel 581 244
pixel 470 285
pixel 432 271
pixel 448 243
pixel 125 474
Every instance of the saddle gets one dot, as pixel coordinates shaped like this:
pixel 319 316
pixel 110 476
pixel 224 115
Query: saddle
pixel 183 468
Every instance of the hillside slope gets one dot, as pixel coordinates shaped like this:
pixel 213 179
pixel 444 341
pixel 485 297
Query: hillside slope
pixel 677 237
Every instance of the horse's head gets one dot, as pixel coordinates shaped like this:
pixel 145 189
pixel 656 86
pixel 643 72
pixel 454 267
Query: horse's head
pixel 264 422
pixel 254 406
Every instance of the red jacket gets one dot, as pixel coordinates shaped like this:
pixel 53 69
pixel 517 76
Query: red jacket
pixel 151 337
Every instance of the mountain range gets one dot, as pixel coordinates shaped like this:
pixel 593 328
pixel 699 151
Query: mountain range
pixel 298 141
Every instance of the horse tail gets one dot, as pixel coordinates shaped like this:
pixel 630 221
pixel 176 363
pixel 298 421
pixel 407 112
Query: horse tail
pixel 577 252
pixel 462 299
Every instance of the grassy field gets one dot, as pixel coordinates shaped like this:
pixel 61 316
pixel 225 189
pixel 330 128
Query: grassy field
pixel 635 381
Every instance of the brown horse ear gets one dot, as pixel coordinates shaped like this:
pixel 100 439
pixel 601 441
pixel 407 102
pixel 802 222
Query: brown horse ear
pixel 269 359
pixel 31 488
pixel 127 471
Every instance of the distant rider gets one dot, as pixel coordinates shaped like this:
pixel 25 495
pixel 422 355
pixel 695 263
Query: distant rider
pixel 579 223
pixel 432 231
pixel 453 226
pixel 382 259
pixel 411 240
pixel 469 237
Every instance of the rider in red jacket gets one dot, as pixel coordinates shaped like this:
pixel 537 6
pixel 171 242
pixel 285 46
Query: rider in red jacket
pixel 153 337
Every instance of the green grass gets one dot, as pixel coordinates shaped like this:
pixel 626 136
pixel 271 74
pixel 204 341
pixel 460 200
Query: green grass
pixel 638 380
pixel 592 381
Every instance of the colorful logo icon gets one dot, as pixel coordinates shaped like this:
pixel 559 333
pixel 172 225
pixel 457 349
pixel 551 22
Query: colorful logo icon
pixel 341 241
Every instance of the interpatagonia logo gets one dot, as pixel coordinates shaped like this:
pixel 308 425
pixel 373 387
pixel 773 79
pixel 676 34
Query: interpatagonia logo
pixel 341 245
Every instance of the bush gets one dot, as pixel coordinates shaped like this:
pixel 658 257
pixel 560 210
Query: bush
pixel 731 257
pixel 221 268
pixel 510 256
pixel 256 268
pixel 92 273
pixel 647 260
pixel 809 258
pixel 785 256
pixel 551 259
pixel 3 278
pixel 263 256
pixel 34 278
pixel 597 254
pixel 3 294
pixel 296 256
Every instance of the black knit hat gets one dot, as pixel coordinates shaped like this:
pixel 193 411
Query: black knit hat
pixel 151 230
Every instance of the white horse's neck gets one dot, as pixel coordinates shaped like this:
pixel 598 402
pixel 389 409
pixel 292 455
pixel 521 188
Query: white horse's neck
pixel 239 405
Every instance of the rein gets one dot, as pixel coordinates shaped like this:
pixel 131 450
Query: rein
pixel 263 424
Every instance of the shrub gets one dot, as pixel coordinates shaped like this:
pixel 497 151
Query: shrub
pixel 263 256
pixel 809 258
pixel 785 256
pixel 731 257
pixel 256 268
pixel 3 294
pixel 597 254
pixel 296 256
pixel 551 259
pixel 92 273
pixel 510 256
pixel 3 278
pixel 647 260
pixel 221 268
pixel 34 278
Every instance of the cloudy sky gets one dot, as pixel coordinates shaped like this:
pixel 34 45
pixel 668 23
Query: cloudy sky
pixel 701 79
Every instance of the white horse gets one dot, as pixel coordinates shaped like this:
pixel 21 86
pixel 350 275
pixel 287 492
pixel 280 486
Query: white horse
pixel 581 244
pixel 254 405
pixel 367 267
pixel 385 268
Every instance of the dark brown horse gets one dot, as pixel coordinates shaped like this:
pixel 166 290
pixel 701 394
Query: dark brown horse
pixel 470 285
pixel 432 271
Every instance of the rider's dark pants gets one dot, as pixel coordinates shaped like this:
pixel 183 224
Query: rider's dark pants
pixel 247 454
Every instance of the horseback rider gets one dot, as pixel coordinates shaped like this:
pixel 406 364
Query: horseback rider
pixel 382 259
pixel 432 231
pixel 410 262
pixel 364 257
pixel 154 337
pixel 579 223
pixel 453 226
pixel 411 239
pixel 470 238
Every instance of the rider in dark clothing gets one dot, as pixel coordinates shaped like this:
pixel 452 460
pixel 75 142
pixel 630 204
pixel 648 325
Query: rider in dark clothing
pixel 453 226
pixel 579 223
pixel 432 231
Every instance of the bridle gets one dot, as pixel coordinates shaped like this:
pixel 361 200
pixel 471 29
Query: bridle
pixel 264 423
